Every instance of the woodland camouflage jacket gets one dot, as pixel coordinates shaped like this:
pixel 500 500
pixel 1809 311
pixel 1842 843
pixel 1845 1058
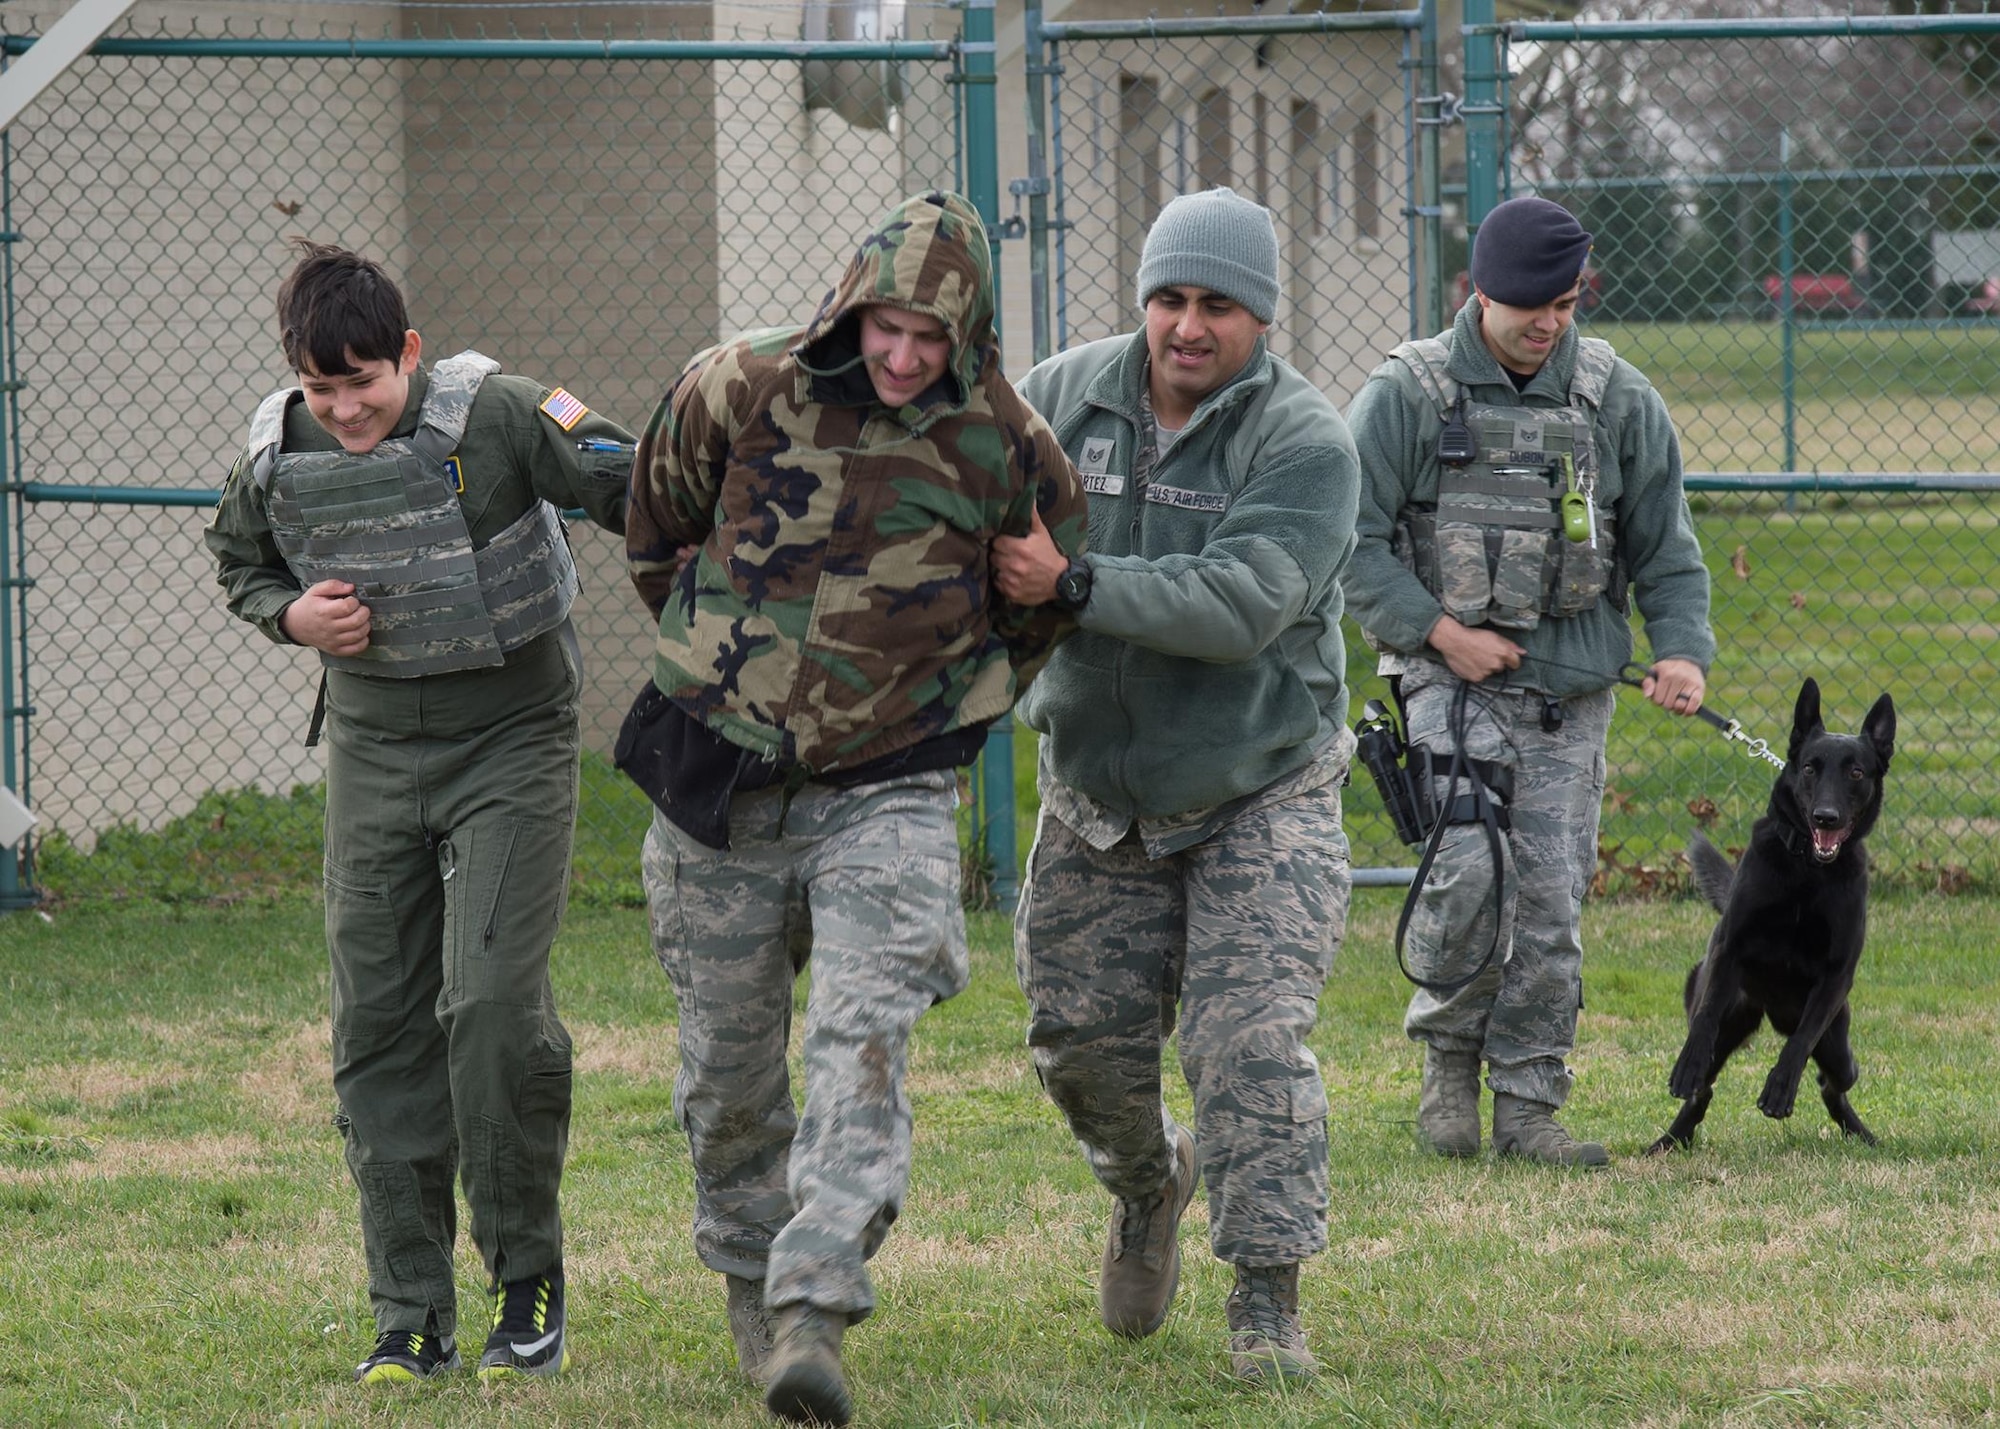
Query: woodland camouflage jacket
pixel 840 606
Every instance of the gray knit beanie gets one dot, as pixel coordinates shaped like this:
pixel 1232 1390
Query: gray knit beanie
pixel 1216 240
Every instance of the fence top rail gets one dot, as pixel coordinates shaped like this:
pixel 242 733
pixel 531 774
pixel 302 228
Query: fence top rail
pixel 224 47
pixel 1318 22
pixel 92 494
pixel 1840 481
pixel 1804 27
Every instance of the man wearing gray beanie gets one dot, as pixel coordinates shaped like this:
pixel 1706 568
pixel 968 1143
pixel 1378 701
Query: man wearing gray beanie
pixel 1189 863
pixel 1523 486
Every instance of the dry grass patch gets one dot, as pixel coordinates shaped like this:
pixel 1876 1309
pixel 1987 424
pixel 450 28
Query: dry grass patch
pixel 640 1053
pixel 291 1082
pixel 189 1157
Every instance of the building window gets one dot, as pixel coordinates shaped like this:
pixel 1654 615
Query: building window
pixel 1367 179
pixel 1308 176
pixel 1140 116
pixel 1211 140
pixel 1260 148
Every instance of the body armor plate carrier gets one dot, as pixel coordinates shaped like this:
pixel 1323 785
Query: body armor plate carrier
pixel 389 521
pixel 1493 549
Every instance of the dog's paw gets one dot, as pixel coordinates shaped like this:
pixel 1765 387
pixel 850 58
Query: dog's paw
pixel 1780 1091
pixel 1668 1143
pixel 1689 1076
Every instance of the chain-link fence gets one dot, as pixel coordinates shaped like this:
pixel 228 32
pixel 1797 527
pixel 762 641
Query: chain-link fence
pixel 1797 239
pixel 590 213
pixel 1801 267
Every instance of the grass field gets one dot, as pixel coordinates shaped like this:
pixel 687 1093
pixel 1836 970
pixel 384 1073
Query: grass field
pixel 177 1231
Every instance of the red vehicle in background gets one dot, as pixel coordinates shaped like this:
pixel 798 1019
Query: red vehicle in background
pixel 1817 294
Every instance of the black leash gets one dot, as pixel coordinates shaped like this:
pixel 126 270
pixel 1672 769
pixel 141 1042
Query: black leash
pixel 1490 821
pixel 1634 674
pixel 1630 673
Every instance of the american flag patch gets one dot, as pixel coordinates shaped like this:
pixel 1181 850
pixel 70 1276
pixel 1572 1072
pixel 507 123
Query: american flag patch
pixel 564 410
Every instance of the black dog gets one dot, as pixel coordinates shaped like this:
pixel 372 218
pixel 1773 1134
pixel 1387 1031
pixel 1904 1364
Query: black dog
pixel 1794 913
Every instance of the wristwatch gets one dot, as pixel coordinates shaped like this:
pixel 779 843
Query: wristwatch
pixel 1073 586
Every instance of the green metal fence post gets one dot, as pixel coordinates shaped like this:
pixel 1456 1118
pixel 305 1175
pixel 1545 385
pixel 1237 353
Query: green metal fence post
pixel 17 869
pixel 1786 302
pixel 982 183
pixel 1037 63
pixel 1429 215
pixel 1484 154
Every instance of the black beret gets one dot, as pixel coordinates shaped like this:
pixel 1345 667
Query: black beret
pixel 1528 252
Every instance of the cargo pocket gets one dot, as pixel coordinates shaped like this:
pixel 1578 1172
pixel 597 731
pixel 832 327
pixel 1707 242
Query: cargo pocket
pixel 1310 1108
pixel 1586 572
pixel 366 951
pixel 1465 585
pixel 1517 579
pixel 660 866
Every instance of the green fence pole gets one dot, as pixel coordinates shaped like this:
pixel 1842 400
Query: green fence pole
pixel 1431 312
pixel 1786 304
pixel 1483 155
pixel 1037 64
pixel 995 807
pixel 17 870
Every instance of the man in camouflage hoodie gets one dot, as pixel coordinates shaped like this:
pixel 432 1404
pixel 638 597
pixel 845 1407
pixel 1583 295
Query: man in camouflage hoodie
pixel 811 515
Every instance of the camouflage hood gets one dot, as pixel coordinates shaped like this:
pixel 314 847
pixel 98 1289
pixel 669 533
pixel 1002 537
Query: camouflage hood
pixel 930 255
pixel 838 605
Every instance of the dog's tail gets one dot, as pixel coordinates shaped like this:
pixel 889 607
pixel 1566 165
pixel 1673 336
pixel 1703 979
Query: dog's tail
pixel 1713 873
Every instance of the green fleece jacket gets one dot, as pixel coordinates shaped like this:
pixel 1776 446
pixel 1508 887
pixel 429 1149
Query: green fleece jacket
pixel 1396 428
pixel 1209 661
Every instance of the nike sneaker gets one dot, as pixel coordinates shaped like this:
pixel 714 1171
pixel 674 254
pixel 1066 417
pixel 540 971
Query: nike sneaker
pixel 527 1335
pixel 401 1356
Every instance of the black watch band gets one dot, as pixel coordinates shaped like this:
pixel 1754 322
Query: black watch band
pixel 1073 586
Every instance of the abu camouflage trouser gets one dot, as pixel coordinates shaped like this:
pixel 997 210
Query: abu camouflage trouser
pixel 1520 1014
pixel 1233 938
pixel 864 883
pixel 450 807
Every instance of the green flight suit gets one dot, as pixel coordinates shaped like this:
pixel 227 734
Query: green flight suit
pixel 451 804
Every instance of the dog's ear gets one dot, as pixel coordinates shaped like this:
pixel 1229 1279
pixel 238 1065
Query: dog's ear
pixel 1879 729
pixel 1805 717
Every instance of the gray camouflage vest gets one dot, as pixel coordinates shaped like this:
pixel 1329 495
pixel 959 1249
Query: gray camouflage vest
pixel 1493 549
pixel 389 521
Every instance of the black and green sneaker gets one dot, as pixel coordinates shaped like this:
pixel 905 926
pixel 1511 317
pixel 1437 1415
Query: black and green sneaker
pixel 401 1356
pixel 527 1336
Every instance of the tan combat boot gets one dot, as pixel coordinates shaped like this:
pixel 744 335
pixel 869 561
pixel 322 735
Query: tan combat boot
pixel 1448 1106
pixel 1142 1257
pixel 1266 1341
pixel 805 1383
pixel 750 1327
pixel 1529 1129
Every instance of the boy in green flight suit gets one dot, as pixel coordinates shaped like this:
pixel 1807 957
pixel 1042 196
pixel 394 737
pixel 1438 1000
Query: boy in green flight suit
pixel 403 522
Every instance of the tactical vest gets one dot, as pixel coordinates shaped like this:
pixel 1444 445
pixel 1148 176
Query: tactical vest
pixel 1493 550
pixel 389 521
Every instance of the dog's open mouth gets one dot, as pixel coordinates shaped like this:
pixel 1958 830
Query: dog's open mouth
pixel 1827 842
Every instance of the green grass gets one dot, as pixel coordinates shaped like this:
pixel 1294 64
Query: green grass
pixel 178 1236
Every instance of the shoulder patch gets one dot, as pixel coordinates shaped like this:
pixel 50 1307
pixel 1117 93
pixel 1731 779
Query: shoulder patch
pixel 564 410
pixel 454 470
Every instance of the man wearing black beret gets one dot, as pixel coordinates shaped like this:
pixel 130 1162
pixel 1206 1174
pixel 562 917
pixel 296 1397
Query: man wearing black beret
pixel 1520 488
